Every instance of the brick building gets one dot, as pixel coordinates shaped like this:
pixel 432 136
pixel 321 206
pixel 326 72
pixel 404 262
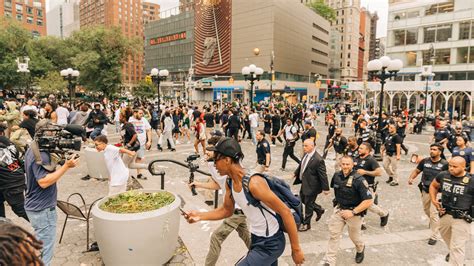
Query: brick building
pixel 30 13
pixel 126 14
pixel 151 12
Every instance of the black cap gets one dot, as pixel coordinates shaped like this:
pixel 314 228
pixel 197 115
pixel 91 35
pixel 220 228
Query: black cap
pixel 228 147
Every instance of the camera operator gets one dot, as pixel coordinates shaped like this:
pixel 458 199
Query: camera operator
pixel 12 177
pixel 235 222
pixel 41 193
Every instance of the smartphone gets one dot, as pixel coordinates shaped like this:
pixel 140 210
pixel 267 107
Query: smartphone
pixel 183 213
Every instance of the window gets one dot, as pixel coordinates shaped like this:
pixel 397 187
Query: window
pixel 39 22
pixel 19 17
pixel 29 20
pixel 462 57
pixel 464 30
pixel 399 37
pixel 35 34
pixel 8 3
pixel 429 33
pixel 440 8
pixel 19 8
pixel 442 56
pixel 411 36
pixel 443 32
pixel 39 13
pixel 29 10
pixel 471 54
pixel 411 58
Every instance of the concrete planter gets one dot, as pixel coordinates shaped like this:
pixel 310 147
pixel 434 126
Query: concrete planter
pixel 147 238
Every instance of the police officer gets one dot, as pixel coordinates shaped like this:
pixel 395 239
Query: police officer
pixel 352 198
pixel 457 198
pixel 263 153
pixel 430 167
pixel 457 132
pixel 340 143
pixel 392 149
pixel 352 148
pixel 366 165
pixel 461 149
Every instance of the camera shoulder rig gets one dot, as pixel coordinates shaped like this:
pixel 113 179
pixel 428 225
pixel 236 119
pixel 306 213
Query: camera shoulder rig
pixel 36 152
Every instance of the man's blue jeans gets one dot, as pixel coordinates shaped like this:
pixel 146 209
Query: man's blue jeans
pixel 44 224
pixel 97 131
pixel 253 133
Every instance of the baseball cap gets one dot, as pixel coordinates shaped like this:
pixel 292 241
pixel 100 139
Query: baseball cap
pixel 308 122
pixel 228 147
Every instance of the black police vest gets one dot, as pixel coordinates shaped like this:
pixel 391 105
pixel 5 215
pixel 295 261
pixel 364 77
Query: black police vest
pixel 390 146
pixel 352 153
pixel 430 171
pixel 456 192
pixel 346 195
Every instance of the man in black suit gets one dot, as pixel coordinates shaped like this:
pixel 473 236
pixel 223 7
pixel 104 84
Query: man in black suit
pixel 311 174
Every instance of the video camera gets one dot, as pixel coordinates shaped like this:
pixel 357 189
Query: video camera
pixel 192 157
pixel 61 140
pixel 192 168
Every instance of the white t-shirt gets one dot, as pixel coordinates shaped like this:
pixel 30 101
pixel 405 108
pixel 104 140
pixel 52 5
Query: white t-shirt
pixel 141 126
pixel 117 115
pixel 62 114
pixel 117 169
pixel 253 118
pixel 289 132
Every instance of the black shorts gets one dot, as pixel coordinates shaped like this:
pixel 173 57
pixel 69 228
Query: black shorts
pixel 275 131
pixel 154 124
pixel 176 130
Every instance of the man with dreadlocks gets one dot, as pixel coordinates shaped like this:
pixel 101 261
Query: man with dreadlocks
pixel 18 246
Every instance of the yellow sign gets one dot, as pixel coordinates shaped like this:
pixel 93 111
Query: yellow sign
pixel 231 80
pixel 318 84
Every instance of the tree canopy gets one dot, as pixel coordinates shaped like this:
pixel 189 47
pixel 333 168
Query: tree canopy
pixel 325 11
pixel 97 52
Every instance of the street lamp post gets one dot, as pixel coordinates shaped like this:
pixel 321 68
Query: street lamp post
pixel 252 73
pixel 383 68
pixel 70 75
pixel 157 76
pixel 427 74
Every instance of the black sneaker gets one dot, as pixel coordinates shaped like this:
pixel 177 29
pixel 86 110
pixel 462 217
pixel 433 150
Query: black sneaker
pixel 447 258
pixel 140 176
pixel 363 227
pixel 360 256
pixel 393 184
pixel 432 242
pixel 390 179
pixel 384 220
pixel 319 214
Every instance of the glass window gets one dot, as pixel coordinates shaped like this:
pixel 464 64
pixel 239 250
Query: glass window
pixel 39 22
pixel 443 32
pixel 443 56
pixel 413 14
pixel 464 28
pixel 35 34
pixel 412 36
pixel 19 17
pixel 462 57
pixel 429 34
pixel 411 58
pixel 29 20
pixel 457 76
pixel 471 54
pixel 470 75
pixel 29 10
pixel 19 7
pixel 399 37
pixel 8 3
pixel 39 13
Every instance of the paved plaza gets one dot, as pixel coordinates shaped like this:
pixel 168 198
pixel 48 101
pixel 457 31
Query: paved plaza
pixel 402 242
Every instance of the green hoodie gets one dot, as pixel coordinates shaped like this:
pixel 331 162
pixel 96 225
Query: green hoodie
pixel 12 116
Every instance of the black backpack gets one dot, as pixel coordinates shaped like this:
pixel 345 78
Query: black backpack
pixel 282 191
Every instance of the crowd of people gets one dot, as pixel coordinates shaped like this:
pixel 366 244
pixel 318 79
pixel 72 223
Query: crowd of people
pixel 254 204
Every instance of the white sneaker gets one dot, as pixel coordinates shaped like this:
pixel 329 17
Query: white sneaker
pixel 177 142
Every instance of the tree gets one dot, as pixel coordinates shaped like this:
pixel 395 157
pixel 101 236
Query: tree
pixel 100 57
pixel 325 11
pixel 52 83
pixel 145 90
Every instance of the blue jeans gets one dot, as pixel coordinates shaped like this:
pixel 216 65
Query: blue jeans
pixel 253 133
pixel 97 132
pixel 264 250
pixel 44 224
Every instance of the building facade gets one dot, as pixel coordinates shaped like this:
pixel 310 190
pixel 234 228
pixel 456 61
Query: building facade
pixel 374 42
pixel 125 14
pixel 348 23
pixel 296 36
pixel 31 14
pixel 63 19
pixel 151 12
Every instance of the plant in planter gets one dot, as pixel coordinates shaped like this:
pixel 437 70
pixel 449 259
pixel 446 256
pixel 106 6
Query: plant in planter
pixel 137 227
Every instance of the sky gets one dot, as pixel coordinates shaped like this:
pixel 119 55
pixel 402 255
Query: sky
pixel 381 6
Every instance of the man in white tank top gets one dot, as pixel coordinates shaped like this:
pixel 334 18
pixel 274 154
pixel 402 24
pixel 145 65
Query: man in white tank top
pixel 237 221
pixel 268 240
